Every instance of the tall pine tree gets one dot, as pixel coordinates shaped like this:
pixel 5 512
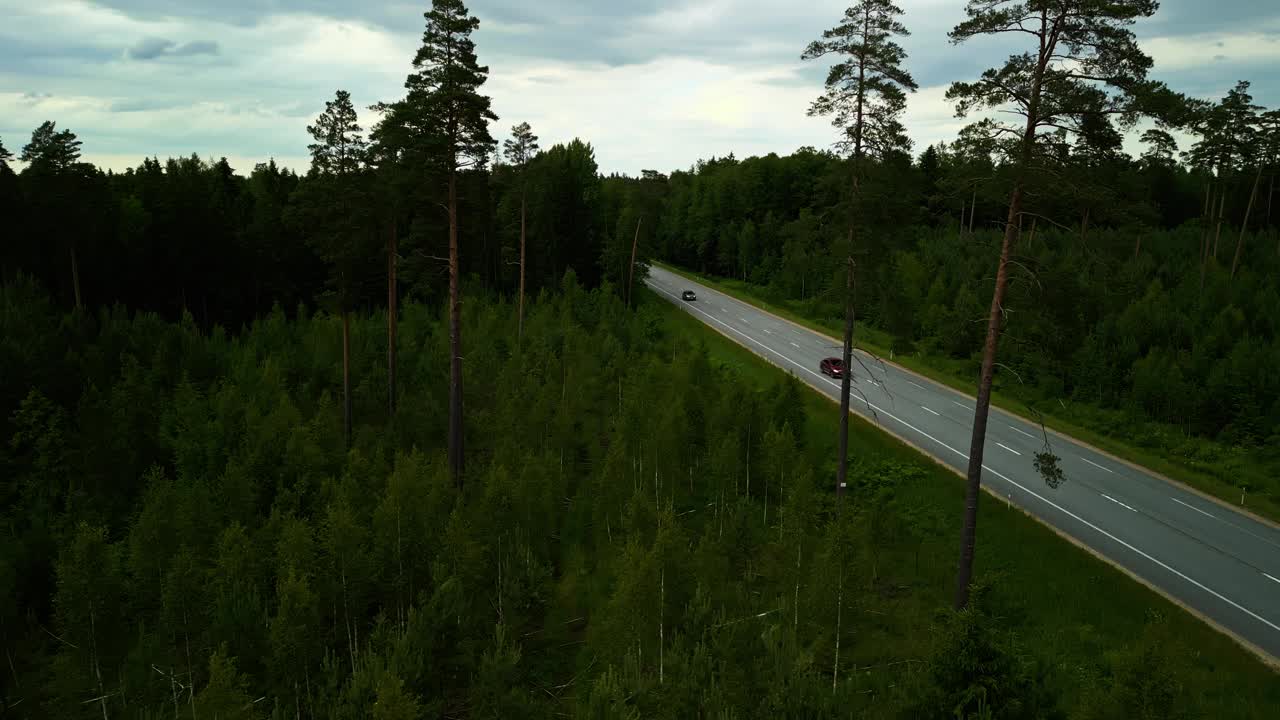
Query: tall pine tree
pixel 1084 62
pixel 865 96
pixel 332 200
pixel 448 129
pixel 519 150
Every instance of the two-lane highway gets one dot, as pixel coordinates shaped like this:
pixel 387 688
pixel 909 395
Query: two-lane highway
pixel 1221 563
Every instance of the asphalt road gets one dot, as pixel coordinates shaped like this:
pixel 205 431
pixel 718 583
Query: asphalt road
pixel 1221 563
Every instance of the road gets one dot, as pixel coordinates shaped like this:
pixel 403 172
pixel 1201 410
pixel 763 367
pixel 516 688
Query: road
pixel 1223 564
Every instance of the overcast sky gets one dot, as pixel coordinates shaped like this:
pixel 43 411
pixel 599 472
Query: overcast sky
pixel 650 83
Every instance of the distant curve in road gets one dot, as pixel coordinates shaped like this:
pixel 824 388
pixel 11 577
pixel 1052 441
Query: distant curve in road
pixel 1221 563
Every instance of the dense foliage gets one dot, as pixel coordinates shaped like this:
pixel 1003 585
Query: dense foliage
pixel 644 534
pixel 1111 322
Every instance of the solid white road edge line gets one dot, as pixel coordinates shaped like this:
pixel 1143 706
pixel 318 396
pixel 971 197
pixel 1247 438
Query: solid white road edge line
pixel 1193 507
pixel 1024 488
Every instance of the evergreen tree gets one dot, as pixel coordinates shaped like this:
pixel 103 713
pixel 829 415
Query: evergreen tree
pixel 865 95
pixel 335 207
pixel 519 150
pixel 449 118
pixel 1084 62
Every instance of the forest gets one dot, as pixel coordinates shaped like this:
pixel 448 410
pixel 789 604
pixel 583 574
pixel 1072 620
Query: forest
pixel 239 478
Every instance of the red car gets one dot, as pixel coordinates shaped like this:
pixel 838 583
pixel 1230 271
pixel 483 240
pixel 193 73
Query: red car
pixel 832 366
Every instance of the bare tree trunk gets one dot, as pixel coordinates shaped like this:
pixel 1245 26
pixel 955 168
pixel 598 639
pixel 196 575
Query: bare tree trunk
pixel 1084 226
pixel 842 461
pixel 393 310
pixel 456 461
pixel 346 375
pixel 1271 193
pixel 631 275
pixel 795 616
pixel 973 207
pixel 662 599
pixel 1032 237
pixel 1137 246
pixel 1244 225
pixel 520 310
pixel 75 275
pixel 968 537
pixel 1217 233
pixel 1207 216
pixel 835 666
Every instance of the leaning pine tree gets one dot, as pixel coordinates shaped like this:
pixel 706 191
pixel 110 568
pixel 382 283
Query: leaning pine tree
pixel 865 95
pixel 446 122
pixel 1083 61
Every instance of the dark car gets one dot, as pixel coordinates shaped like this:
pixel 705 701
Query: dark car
pixel 831 366
pixel 688 295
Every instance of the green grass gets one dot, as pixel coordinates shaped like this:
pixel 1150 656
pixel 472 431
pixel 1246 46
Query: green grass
pixel 1072 609
pixel 947 372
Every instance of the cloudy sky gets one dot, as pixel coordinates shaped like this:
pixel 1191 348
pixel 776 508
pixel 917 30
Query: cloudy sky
pixel 650 83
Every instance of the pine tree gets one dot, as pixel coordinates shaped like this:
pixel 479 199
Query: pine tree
pixel 1084 62
pixel 519 150
pixel 338 157
pixel 449 121
pixel 53 157
pixel 865 95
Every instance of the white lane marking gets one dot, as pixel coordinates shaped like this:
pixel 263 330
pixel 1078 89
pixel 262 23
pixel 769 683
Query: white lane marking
pixel 1117 502
pixel 724 310
pixel 966 407
pixel 932 411
pixel 795 346
pixel 1096 465
pixel 1272 579
pixel 1193 507
pixel 917 385
pixel 1020 486
pixel 744 320
pixel 873 382
pixel 1024 432
pixel 767 331
pixel 1006 447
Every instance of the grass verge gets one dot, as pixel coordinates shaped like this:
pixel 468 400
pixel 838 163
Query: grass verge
pixel 943 372
pixel 1076 612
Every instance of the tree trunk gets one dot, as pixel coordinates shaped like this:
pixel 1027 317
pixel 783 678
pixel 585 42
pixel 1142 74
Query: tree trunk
pixel 1244 225
pixel 75 275
pixel 520 310
pixel 1207 217
pixel 1084 226
pixel 393 311
pixel 969 533
pixel 1271 192
pixel 346 376
pixel 631 275
pixel 1032 237
pixel 1217 233
pixel 842 461
pixel 973 207
pixel 1137 246
pixel 456 462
